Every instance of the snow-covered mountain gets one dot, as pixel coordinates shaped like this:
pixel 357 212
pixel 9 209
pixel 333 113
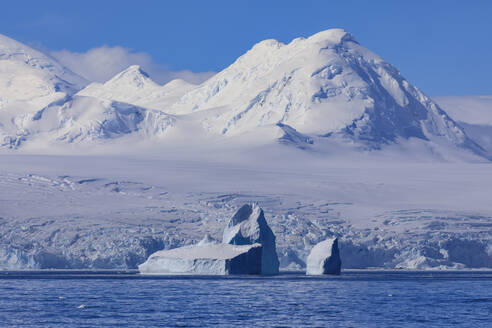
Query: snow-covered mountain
pixel 134 86
pixel 311 91
pixel 321 85
pixel 30 76
pixel 88 119
pixel 29 81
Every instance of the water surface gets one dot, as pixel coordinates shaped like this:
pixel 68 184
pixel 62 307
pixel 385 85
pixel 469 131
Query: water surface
pixel 354 299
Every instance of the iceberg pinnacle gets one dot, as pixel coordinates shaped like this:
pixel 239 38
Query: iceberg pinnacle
pixel 248 226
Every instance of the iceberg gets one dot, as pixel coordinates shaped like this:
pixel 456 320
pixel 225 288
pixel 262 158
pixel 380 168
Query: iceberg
pixel 205 258
pixel 248 226
pixel 248 247
pixel 324 258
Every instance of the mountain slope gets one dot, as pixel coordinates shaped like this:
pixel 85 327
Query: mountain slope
pixel 29 81
pixel 91 120
pixel 31 77
pixel 321 85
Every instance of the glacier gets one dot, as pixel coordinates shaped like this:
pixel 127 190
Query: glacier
pixel 322 133
pixel 79 212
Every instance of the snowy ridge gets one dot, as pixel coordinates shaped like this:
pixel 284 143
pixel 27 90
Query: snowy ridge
pixel 134 86
pixel 86 119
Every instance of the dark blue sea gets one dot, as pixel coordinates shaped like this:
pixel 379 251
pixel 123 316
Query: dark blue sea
pixel 354 299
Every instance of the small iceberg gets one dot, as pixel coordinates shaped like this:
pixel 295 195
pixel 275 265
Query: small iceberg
pixel 324 258
pixel 248 247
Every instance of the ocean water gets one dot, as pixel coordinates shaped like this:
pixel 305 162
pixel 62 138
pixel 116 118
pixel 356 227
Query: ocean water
pixel 354 299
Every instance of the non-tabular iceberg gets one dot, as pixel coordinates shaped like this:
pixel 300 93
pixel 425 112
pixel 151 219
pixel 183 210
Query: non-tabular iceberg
pixel 324 258
pixel 248 247
pixel 248 226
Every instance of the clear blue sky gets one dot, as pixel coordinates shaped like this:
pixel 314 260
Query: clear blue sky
pixel 443 47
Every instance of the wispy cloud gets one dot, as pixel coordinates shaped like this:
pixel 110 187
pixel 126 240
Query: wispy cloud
pixel 100 64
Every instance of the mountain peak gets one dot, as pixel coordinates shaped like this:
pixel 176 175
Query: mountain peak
pixel 132 70
pixel 321 86
pixel 331 36
pixel 136 69
pixel 335 35
pixel 268 44
pixel 133 75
